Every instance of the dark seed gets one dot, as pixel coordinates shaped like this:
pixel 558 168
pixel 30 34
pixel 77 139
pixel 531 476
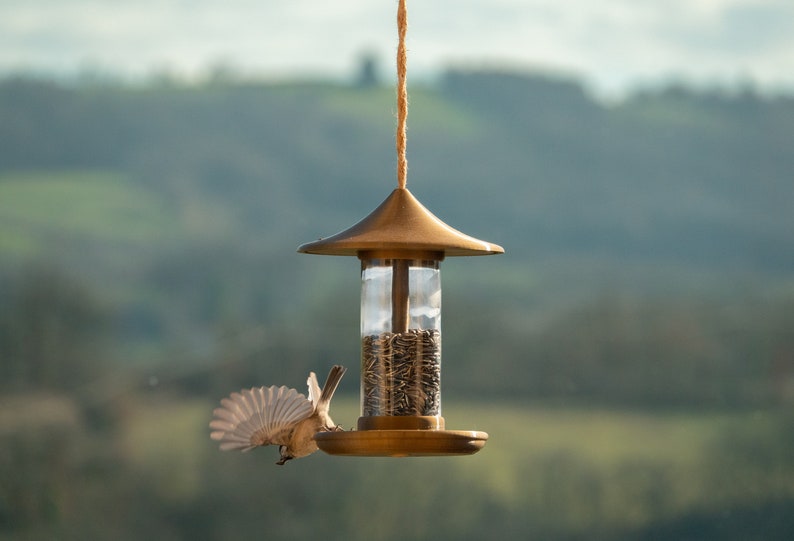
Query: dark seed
pixel 402 373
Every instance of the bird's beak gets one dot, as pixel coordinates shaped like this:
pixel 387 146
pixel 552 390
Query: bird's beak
pixel 284 457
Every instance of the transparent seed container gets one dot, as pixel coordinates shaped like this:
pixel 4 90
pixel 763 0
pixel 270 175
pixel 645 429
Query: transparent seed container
pixel 400 342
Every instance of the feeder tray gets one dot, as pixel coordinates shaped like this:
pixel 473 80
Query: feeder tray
pixel 401 443
pixel 400 245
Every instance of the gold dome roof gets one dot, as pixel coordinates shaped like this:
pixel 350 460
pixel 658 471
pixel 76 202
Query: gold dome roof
pixel 401 224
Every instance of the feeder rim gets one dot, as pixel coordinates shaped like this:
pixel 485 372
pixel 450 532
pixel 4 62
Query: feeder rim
pixel 401 443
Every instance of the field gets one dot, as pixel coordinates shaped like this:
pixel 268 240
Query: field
pixel 563 473
pixel 35 207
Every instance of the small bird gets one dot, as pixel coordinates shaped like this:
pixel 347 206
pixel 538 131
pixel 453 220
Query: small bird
pixel 280 416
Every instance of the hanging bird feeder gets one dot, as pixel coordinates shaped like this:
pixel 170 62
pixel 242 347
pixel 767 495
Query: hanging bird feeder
pixel 400 245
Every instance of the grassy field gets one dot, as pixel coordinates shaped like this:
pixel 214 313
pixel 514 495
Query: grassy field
pixel 575 472
pixel 41 210
pixel 546 473
pixel 430 112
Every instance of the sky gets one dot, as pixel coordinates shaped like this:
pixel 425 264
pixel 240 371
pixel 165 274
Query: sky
pixel 611 45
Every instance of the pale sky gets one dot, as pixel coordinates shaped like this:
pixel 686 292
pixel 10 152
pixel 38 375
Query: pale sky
pixel 610 44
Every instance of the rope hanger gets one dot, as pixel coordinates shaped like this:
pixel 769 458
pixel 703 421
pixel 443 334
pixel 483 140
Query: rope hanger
pixel 402 95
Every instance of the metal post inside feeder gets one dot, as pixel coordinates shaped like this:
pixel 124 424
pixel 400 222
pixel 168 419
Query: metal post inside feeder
pixel 400 245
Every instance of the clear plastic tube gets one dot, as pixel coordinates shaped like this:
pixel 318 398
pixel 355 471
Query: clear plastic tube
pixel 400 337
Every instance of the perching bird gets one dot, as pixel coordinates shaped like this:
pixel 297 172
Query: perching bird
pixel 276 416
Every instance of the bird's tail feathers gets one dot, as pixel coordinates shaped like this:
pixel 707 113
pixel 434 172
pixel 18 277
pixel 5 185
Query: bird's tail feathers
pixel 314 388
pixel 331 383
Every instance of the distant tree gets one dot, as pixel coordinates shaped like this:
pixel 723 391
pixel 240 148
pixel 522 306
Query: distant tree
pixel 50 328
pixel 367 76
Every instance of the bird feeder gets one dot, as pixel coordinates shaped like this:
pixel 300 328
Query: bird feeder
pixel 400 245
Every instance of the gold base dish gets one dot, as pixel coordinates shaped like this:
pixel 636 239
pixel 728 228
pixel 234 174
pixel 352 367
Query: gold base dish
pixel 400 443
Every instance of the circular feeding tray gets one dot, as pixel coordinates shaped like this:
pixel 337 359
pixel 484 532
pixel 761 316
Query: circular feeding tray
pixel 398 443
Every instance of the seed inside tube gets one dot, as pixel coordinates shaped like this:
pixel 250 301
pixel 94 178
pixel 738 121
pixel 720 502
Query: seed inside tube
pixel 402 373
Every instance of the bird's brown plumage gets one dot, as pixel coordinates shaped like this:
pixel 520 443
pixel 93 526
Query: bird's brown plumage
pixel 276 416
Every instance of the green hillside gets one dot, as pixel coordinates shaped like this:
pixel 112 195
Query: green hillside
pixel 182 207
pixel 631 354
pixel 695 181
pixel 42 210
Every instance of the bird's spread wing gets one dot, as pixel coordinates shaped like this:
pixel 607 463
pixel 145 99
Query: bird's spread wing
pixel 258 416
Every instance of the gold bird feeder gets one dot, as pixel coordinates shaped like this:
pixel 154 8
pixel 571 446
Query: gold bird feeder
pixel 400 245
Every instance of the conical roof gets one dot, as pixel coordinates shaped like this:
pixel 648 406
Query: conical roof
pixel 400 224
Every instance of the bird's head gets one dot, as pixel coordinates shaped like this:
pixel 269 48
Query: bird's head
pixel 285 456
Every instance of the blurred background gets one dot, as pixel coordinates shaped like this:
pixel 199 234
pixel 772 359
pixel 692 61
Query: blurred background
pixel 631 355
